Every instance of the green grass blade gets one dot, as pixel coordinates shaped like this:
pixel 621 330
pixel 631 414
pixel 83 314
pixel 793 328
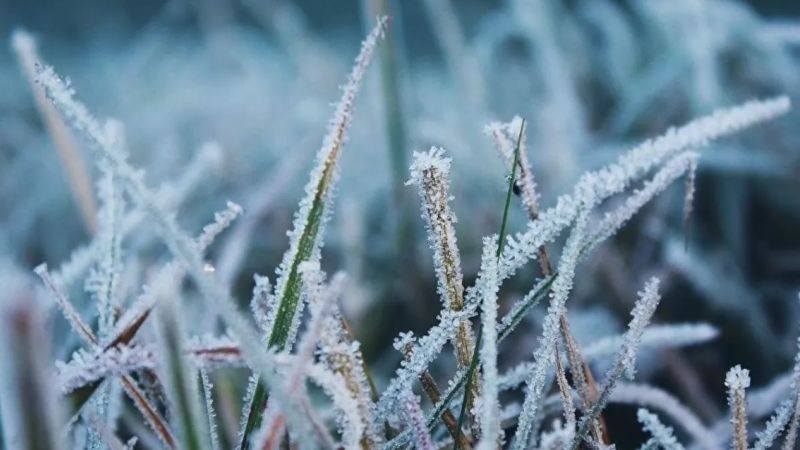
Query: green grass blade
pixel 182 392
pixel 500 244
pixel 309 222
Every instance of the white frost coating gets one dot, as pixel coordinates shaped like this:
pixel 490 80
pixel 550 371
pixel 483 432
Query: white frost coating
pixel 616 177
pixel 423 352
pixel 211 414
pixel 737 380
pixel 323 177
pixel 543 354
pixel 88 366
pixel 416 421
pixel 625 357
pixel 222 220
pixel 775 425
pixel 320 299
pixel 660 432
pixel 558 437
pixel 612 221
pixel 430 172
pixel 103 281
pixel 489 404
pixel 262 302
pixel 642 312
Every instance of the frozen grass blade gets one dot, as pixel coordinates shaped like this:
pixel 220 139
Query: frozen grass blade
pixel 661 434
pixel 500 244
pixel 430 172
pixel 624 360
pixel 416 421
pixel 305 239
pixel 564 389
pixel 737 380
pixel 491 432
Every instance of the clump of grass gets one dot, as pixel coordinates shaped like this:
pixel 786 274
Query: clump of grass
pixel 279 408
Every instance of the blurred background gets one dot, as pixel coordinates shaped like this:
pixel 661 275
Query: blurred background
pixel 591 77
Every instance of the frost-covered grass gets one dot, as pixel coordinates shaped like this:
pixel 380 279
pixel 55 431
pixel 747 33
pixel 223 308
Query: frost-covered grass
pixel 161 351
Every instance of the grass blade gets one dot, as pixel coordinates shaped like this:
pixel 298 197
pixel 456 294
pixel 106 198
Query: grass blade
pixel 309 221
pixel 500 244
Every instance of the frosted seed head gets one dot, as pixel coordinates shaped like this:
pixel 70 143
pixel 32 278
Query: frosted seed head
pixel 737 378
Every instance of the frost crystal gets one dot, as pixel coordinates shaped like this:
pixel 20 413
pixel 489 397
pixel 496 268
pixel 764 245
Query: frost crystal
pixel 222 220
pixel 661 433
pixel 262 302
pixel 737 380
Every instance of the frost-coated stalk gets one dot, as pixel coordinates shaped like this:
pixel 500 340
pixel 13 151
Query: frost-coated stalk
pixel 625 358
pixel 543 355
pixel 416 421
pixel 504 136
pixel 104 281
pixel 491 433
pixel 430 171
pixel 661 433
pixel 564 389
pixel 737 380
pixel 305 239
pixel 342 355
pixel 525 187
